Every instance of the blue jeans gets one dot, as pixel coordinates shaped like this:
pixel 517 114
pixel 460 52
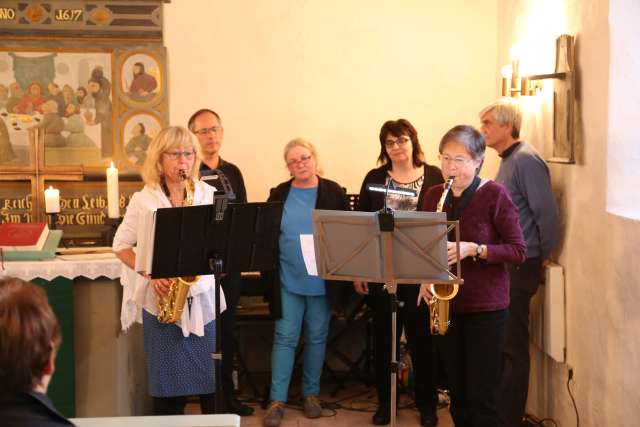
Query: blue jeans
pixel 297 310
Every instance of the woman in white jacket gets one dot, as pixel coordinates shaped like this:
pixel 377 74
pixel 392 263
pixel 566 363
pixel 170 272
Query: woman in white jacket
pixel 178 355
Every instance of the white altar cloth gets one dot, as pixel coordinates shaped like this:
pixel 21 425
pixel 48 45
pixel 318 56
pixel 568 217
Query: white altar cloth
pixel 110 267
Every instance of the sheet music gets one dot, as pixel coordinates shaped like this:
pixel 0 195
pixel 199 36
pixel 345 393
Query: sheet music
pixel 309 254
pixel 144 247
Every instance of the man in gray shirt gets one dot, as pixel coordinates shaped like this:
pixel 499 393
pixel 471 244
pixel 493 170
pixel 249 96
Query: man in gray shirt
pixel 523 172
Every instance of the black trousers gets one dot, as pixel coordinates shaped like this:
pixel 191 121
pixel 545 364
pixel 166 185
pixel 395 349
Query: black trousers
pixel 231 286
pixel 415 321
pixel 175 405
pixel 472 349
pixel 514 384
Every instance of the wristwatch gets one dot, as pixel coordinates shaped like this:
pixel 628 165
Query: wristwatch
pixel 479 250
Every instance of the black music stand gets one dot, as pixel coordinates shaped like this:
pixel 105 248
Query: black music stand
pixel 220 238
pixel 391 247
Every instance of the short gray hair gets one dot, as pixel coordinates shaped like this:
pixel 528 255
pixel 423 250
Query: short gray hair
pixel 506 111
pixel 470 138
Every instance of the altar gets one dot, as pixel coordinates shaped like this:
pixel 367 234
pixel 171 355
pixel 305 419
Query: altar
pixel 100 370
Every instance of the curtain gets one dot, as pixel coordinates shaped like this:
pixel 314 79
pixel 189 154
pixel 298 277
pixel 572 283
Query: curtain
pixel 40 69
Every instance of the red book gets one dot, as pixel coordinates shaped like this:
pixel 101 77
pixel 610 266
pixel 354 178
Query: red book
pixel 30 236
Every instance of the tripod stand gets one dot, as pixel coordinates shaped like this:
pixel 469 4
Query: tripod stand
pixel 389 247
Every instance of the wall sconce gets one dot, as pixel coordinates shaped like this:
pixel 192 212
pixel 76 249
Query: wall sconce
pixel 514 85
pixel 507 73
pixel 511 73
pixel 564 97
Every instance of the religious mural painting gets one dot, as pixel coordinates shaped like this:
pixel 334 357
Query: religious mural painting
pixel 137 132
pixel 82 84
pixel 68 95
pixel 141 77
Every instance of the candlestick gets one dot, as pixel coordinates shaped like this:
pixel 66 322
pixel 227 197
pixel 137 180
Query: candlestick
pixel 113 193
pixel 52 200
pixel 53 220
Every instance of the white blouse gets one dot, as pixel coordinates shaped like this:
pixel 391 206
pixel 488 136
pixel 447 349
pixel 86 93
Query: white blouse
pixel 137 294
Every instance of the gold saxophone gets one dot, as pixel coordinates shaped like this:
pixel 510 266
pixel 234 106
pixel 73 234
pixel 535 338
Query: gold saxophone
pixel 171 305
pixel 441 292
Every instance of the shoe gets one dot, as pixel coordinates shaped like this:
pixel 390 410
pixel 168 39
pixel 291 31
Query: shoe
pixel 312 407
pixel 274 414
pixel 428 420
pixel 234 406
pixel 382 416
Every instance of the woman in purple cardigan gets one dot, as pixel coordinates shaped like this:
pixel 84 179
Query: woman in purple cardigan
pixel 490 238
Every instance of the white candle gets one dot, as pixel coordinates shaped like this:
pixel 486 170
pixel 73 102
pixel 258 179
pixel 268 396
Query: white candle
pixel 51 200
pixel 113 193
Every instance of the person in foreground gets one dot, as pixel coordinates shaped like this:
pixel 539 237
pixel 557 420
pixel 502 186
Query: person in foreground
pixel 403 166
pixel 490 238
pixel 207 126
pixel 523 172
pixel 29 341
pixel 178 355
pixel 305 301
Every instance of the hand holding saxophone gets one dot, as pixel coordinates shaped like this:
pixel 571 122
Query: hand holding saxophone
pixel 361 287
pixel 425 294
pixel 160 286
pixel 466 249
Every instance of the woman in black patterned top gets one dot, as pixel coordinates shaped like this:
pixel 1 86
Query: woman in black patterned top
pixel 402 162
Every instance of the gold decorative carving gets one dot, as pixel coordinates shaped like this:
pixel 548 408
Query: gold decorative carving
pixel 34 13
pixel 100 16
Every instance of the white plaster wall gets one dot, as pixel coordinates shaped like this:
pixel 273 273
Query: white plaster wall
pixel 623 154
pixel 332 71
pixel 598 250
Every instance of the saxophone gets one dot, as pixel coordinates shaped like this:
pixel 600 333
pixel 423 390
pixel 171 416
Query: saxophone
pixel 441 292
pixel 171 305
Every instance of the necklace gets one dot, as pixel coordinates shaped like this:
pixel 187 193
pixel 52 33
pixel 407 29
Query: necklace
pixel 175 200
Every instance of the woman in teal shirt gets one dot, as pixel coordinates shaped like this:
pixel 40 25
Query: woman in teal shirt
pixel 304 301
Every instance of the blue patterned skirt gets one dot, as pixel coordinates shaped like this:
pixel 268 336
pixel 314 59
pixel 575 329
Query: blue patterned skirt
pixel 178 366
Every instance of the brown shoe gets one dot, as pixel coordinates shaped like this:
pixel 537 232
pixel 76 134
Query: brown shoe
pixel 274 414
pixel 312 408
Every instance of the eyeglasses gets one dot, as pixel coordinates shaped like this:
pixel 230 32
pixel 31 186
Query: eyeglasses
pixel 459 161
pixel 301 160
pixel 402 141
pixel 175 155
pixel 206 131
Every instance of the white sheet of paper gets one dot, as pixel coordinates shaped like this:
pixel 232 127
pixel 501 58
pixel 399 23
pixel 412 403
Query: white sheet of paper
pixel 309 254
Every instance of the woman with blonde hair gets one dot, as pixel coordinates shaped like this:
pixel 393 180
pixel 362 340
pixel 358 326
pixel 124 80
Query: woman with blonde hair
pixel 178 355
pixel 300 302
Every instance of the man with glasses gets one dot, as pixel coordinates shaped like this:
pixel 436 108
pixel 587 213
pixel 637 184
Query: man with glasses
pixel 207 126
pixel 523 172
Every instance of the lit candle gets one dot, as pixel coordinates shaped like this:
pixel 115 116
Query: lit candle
pixel 52 200
pixel 113 194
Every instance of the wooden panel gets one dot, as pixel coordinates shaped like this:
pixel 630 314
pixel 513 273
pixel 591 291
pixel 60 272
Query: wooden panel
pixel 16 202
pixel 83 207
